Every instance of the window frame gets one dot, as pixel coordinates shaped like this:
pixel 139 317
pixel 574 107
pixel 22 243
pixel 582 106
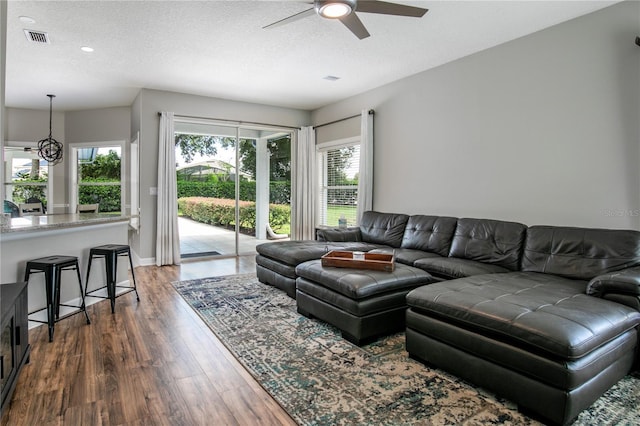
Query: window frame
pixel 74 186
pixel 7 180
pixel 323 188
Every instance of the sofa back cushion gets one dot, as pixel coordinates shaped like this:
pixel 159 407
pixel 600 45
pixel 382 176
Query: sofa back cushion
pixel 579 253
pixel 429 233
pixel 383 228
pixel 489 241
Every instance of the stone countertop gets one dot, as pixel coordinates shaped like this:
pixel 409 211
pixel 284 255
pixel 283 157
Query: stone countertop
pixel 59 221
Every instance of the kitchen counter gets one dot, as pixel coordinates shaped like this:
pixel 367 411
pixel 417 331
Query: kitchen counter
pixel 31 237
pixel 27 224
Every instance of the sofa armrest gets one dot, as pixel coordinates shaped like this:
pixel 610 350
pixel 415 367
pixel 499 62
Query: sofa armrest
pixel 621 286
pixel 351 234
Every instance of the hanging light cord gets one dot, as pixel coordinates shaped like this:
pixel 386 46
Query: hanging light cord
pixel 50 113
pixel 50 149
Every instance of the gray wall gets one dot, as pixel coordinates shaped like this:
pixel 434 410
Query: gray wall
pixel 107 124
pixel 542 130
pixel 28 125
pixel 341 130
pixel 31 125
pixel 3 66
pixel 98 125
pixel 148 104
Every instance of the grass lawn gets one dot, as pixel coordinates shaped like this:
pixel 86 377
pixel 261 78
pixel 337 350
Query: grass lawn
pixel 334 213
pixel 284 229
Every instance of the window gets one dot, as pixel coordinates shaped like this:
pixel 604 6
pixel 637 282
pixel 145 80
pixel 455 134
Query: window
pixel 98 177
pixel 339 163
pixel 26 175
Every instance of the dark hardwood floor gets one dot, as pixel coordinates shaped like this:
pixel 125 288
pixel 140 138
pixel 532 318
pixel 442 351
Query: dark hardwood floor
pixel 153 362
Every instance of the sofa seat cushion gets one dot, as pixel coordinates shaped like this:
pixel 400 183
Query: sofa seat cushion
pixel 406 256
pixel 540 312
pixel 361 283
pixel 277 267
pixel 452 268
pixel 559 373
pixel 294 253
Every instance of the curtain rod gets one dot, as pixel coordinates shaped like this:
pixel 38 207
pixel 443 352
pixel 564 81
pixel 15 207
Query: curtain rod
pixel 371 112
pixel 239 123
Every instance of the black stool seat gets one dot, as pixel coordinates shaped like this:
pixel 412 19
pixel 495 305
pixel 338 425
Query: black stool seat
pixel 52 267
pixel 108 248
pixel 53 261
pixel 110 253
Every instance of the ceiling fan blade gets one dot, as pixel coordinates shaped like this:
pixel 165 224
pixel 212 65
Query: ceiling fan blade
pixel 386 8
pixel 355 25
pixel 292 18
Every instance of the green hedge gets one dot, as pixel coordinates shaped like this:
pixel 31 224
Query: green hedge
pixel 107 196
pixel 21 193
pixel 221 212
pixel 279 192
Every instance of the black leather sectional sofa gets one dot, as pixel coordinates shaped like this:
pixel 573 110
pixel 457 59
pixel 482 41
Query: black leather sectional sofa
pixel 547 316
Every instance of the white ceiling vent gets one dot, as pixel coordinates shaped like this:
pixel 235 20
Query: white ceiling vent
pixel 37 36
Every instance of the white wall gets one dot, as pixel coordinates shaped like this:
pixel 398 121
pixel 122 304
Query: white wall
pixel 147 106
pixel 541 130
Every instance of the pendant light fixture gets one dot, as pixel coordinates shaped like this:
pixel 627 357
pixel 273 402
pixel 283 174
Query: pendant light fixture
pixel 50 149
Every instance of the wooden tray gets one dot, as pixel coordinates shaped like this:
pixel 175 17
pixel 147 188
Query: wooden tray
pixel 344 259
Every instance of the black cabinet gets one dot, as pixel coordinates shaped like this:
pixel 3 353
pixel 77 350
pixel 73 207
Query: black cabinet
pixel 14 337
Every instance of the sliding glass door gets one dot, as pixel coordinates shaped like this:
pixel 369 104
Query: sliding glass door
pixel 230 198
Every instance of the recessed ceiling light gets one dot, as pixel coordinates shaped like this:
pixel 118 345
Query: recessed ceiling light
pixel 86 49
pixel 27 20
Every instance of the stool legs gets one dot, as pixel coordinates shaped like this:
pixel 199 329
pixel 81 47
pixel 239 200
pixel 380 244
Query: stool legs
pixel 110 253
pixel 52 278
pixel 50 284
pixel 51 294
pixel 112 270
pixel 55 284
pixel 133 275
pixel 86 281
pixel 84 306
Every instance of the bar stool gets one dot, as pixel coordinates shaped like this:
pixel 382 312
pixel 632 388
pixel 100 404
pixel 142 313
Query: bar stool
pixel 110 253
pixel 52 267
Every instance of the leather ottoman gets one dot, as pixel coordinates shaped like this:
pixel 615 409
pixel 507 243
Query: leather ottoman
pixel 535 338
pixel 363 304
pixel 276 261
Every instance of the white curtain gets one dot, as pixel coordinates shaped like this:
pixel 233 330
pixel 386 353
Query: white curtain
pixel 365 182
pixel 167 236
pixel 303 191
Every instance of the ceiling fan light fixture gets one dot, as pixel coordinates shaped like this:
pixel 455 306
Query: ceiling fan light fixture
pixel 334 10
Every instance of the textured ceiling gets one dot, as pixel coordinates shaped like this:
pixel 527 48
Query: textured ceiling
pixel 219 49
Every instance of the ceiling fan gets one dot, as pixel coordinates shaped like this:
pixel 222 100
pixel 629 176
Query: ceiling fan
pixel 345 12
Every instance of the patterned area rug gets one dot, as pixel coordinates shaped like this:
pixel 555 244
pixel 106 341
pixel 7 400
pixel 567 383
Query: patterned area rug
pixel 321 379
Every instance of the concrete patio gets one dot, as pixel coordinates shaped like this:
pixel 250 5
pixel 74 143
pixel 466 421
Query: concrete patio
pixel 199 239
